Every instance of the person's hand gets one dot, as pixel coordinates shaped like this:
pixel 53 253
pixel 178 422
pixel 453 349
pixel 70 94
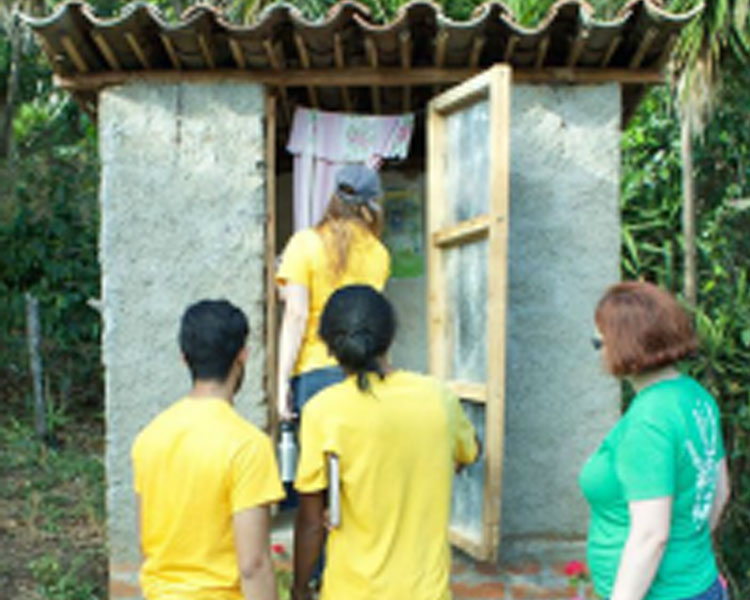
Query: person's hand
pixel 286 412
pixel 301 593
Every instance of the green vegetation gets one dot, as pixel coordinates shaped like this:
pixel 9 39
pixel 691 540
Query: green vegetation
pixel 51 500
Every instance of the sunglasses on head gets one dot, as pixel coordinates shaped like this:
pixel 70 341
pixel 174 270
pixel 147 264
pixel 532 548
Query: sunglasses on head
pixel 597 343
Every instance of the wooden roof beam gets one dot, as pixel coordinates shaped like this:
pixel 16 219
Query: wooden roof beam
pixel 576 48
pixel 338 56
pixel 277 63
pixel 106 51
pixel 477 45
pixel 643 48
pixel 304 59
pixel 405 51
pixel 610 51
pixel 171 51
pixel 510 48
pixel 372 58
pixel 74 54
pixel 208 55
pixel 238 54
pixel 138 51
pixel 361 76
pixel 441 43
pixel 541 54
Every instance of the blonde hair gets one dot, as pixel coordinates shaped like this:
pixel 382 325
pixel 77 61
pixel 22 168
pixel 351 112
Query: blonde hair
pixel 336 228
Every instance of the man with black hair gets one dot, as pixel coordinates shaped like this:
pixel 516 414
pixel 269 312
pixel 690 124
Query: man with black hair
pixel 204 477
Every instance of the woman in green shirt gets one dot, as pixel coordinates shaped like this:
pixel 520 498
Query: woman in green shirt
pixel 658 482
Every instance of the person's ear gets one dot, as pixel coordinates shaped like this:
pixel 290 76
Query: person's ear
pixel 242 355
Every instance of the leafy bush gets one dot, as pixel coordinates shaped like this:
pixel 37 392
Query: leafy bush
pixel 652 246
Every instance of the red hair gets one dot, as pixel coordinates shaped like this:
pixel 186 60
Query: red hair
pixel 643 327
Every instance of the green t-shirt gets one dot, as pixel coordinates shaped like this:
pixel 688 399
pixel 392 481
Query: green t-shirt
pixel 668 443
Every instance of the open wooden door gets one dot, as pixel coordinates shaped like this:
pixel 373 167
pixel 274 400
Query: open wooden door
pixel 467 207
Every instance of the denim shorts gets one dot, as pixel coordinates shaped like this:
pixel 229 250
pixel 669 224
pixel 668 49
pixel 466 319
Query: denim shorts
pixel 715 591
pixel 306 385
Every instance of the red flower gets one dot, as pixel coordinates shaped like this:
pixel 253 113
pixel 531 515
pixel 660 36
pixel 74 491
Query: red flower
pixel 575 568
pixel 278 549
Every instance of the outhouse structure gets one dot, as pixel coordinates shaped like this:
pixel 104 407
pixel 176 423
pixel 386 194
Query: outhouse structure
pixel 503 220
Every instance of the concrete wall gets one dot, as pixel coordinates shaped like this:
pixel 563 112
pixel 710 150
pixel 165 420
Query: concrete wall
pixel 183 207
pixel 564 251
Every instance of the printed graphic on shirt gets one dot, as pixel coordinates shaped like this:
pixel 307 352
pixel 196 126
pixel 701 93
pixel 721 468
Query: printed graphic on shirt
pixel 704 457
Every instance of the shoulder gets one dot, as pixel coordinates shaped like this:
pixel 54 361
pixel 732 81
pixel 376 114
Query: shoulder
pixel 155 428
pixel 305 238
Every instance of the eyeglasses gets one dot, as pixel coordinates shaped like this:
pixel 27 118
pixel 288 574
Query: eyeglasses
pixel 597 343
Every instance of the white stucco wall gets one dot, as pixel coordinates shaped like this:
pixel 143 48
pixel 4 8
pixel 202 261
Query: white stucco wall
pixel 183 218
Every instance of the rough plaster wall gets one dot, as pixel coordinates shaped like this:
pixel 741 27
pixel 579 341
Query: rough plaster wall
pixel 183 206
pixel 564 251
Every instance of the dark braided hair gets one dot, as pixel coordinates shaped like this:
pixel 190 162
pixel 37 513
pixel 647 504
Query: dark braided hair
pixel 358 324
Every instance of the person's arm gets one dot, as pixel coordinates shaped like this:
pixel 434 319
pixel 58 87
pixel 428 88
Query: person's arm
pixel 309 534
pixel 722 495
pixel 644 548
pixel 251 534
pixel 294 321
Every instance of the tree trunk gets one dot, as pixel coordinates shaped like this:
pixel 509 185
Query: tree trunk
pixel 11 95
pixel 33 332
pixel 690 274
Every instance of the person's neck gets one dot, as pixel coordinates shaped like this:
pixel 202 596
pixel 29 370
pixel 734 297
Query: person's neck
pixel 205 389
pixel 643 380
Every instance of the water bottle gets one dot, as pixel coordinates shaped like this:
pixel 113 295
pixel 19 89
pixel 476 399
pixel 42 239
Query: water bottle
pixel 287 452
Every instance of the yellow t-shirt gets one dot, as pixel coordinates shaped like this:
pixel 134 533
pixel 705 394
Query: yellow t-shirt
pixel 306 262
pixel 194 466
pixel 397 446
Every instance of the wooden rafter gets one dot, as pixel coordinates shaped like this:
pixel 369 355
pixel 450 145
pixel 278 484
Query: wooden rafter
pixel 510 48
pixel 74 54
pixel 441 44
pixel 277 63
pixel 643 48
pixel 106 50
pixel 405 51
pixel 576 48
pixel 338 56
pixel 372 57
pixel 171 51
pixel 541 54
pixel 137 50
pixel 238 55
pixel 304 59
pixel 477 45
pixel 206 51
pixel 610 51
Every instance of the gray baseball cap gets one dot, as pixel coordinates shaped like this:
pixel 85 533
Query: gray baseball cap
pixel 358 184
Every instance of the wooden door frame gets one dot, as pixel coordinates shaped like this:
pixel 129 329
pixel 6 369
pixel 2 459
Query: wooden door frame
pixel 493 85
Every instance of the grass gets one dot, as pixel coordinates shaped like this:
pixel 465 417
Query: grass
pixel 52 510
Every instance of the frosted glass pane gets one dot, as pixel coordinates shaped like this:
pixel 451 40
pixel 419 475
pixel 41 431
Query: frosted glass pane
pixel 466 279
pixel 467 164
pixel 468 485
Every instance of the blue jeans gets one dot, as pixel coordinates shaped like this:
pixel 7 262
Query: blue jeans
pixel 715 592
pixel 306 385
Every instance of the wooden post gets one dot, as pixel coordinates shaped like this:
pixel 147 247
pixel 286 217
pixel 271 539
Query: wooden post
pixel 33 333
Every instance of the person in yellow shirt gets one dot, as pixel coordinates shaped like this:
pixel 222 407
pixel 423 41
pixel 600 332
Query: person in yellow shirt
pixel 398 436
pixel 204 477
pixel 340 250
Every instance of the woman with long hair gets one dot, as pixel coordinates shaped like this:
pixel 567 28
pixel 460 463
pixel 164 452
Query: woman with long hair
pixel 658 483
pixel 342 249
pixel 398 437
